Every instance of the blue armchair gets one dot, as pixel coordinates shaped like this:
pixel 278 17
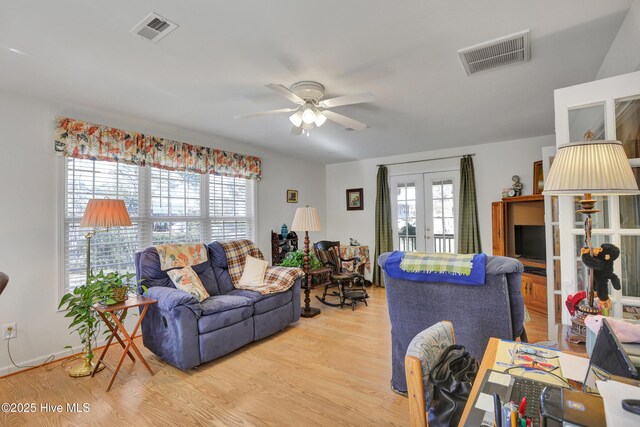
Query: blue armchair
pixel 478 312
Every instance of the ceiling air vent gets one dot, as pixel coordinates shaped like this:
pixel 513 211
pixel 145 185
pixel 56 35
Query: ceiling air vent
pixel 154 27
pixel 496 53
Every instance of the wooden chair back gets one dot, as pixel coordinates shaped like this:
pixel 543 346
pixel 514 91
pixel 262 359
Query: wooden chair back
pixel 328 252
pixel 425 349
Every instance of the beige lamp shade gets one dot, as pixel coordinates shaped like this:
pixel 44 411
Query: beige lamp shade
pixel 306 219
pixel 105 213
pixel 595 167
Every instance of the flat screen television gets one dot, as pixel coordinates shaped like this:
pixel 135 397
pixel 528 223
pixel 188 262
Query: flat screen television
pixel 530 242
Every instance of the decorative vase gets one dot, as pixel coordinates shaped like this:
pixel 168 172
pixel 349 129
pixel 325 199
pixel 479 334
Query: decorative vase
pixel 284 231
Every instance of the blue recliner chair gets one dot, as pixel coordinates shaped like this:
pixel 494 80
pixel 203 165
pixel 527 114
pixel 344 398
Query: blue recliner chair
pixel 186 333
pixel 478 312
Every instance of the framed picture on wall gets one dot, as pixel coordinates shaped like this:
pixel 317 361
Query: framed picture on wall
pixel 354 199
pixel 292 196
pixel 538 178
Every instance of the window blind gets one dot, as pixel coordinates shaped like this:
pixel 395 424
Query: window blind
pixel 164 206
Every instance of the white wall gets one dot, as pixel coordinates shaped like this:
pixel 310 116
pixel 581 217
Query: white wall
pixel 494 166
pixel 624 55
pixel 29 219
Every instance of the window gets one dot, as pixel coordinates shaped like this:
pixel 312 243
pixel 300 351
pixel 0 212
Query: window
pixel 164 206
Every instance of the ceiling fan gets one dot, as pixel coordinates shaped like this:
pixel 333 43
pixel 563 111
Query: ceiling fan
pixel 312 111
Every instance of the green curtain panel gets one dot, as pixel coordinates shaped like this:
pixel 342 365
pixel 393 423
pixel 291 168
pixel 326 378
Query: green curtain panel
pixel 469 229
pixel 384 233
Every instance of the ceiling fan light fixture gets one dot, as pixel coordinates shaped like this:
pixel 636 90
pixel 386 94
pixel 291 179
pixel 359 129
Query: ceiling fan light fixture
pixel 308 126
pixel 308 115
pixel 320 119
pixel 296 118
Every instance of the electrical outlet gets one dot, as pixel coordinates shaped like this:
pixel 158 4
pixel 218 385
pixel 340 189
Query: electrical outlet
pixel 10 330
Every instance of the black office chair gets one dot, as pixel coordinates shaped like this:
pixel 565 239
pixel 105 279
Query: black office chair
pixel 4 279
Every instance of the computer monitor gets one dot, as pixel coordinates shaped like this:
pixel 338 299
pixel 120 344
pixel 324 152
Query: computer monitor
pixel 608 359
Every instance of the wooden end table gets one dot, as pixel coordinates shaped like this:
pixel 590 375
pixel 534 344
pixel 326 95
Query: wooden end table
pixel 123 308
pixel 320 277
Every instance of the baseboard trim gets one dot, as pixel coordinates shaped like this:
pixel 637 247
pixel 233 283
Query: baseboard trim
pixel 61 356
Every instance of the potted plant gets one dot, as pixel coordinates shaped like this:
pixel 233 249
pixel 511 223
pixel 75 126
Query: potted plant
pixel 296 259
pixel 99 289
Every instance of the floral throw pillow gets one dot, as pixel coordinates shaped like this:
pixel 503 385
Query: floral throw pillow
pixel 187 280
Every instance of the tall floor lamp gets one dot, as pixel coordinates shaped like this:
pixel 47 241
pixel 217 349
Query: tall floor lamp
pixel 101 215
pixel 306 219
pixel 586 168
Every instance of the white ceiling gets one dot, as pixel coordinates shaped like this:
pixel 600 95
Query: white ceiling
pixel 215 65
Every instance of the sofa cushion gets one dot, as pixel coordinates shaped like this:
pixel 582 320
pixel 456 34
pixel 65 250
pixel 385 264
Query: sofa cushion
pixel 187 280
pixel 253 274
pixel 219 303
pixel 223 319
pixel 148 270
pixel 218 260
pixel 264 303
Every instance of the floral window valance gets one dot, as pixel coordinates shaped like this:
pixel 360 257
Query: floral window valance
pixel 82 140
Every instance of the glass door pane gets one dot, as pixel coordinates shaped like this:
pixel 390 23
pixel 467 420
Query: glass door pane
pixel 629 250
pixel 584 119
pixel 406 197
pixel 443 230
pixel 628 126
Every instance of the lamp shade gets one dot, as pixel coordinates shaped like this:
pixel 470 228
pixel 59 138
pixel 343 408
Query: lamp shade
pixel 105 213
pixel 306 219
pixel 596 167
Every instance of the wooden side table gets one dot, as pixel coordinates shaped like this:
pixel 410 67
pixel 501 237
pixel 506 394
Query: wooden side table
pixel 320 277
pixel 112 311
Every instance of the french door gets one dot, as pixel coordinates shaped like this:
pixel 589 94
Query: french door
pixel 425 211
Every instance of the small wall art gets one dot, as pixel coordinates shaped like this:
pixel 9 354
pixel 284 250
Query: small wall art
pixel 538 178
pixel 355 201
pixel 292 196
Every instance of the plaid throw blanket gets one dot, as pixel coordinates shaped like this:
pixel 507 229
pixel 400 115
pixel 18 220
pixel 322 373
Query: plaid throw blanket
pixel 276 279
pixel 421 262
pixel 181 255
pixel 437 268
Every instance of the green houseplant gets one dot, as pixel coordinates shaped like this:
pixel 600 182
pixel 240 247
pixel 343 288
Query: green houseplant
pixel 79 303
pixel 296 259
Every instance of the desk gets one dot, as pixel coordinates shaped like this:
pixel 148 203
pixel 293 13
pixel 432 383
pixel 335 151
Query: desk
pixel 123 307
pixel 488 360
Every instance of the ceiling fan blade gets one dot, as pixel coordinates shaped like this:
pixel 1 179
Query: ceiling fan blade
pixel 296 130
pixel 344 120
pixel 286 93
pixel 262 113
pixel 347 100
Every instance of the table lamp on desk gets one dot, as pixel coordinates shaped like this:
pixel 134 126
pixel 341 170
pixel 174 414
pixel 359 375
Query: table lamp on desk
pixel 587 168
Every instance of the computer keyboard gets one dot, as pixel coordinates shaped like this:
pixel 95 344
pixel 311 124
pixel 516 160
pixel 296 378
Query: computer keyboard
pixel 532 390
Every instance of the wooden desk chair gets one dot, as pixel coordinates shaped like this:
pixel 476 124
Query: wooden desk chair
pixel 351 285
pixel 423 353
pixel 4 279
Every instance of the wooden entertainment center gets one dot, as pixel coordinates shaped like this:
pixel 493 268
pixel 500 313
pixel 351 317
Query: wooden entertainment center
pixel 506 214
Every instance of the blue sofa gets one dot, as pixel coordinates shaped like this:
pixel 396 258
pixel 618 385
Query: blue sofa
pixel 477 312
pixel 186 333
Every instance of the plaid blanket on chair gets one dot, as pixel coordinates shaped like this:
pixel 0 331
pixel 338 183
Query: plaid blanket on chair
pixel 276 279
pixel 422 262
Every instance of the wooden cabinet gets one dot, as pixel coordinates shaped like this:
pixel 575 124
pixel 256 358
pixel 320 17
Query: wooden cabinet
pixel 505 215
pixel 534 291
pixel 498 227
pixel 281 247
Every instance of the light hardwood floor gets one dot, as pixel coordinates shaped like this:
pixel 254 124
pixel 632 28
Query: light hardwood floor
pixel 333 370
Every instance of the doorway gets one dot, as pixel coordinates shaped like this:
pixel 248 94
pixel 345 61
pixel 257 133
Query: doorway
pixel 425 211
